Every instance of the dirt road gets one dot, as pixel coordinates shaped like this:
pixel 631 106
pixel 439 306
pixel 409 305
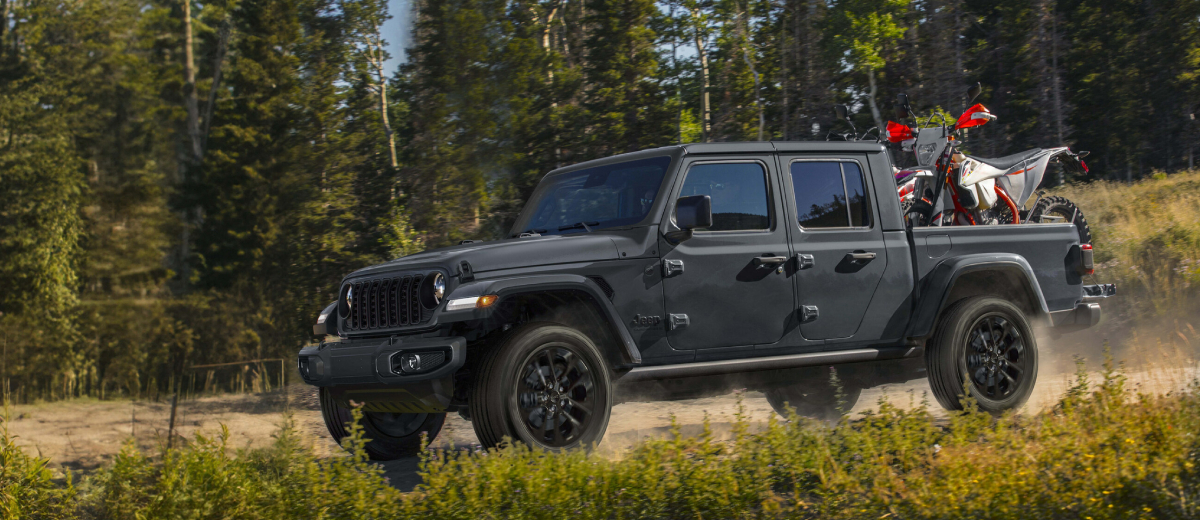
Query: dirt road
pixel 82 435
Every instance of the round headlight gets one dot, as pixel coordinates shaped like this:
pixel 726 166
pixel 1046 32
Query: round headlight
pixel 439 287
pixel 433 288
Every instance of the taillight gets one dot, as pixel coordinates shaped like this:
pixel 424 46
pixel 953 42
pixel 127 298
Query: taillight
pixel 1085 259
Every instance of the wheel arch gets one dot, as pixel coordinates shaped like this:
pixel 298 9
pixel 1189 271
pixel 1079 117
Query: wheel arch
pixel 1005 276
pixel 572 300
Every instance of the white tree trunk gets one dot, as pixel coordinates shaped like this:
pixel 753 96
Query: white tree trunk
pixel 871 98
pixel 189 84
pixel 702 53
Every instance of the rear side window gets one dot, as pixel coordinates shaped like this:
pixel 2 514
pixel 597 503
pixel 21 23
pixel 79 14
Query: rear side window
pixel 830 194
pixel 739 194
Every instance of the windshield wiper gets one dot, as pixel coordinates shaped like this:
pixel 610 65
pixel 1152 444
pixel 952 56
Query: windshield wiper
pixel 583 225
pixel 533 232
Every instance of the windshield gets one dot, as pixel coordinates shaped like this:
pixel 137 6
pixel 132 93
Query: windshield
pixel 602 197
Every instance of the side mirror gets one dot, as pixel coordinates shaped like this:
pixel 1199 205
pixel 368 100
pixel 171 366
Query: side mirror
pixel 902 100
pixel 901 112
pixel 691 213
pixel 974 92
pixel 842 112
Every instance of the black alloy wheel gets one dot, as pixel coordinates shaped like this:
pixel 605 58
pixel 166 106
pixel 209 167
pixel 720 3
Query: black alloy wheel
pixel 985 345
pixel 555 395
pixel 544 384
pixel 996 358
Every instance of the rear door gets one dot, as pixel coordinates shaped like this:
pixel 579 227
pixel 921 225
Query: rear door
pixel 727 285
pixel 839 243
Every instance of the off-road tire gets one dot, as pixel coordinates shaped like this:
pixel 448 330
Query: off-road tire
pixel 1062 207
pixel 961 346
pixel 814 398
pixel 504 400
pixel 390 436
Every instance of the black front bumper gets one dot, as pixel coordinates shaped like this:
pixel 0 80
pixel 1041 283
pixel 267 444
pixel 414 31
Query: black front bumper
pixel 366 372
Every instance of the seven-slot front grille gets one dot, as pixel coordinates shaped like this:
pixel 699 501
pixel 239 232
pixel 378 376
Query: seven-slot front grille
pixel 385 303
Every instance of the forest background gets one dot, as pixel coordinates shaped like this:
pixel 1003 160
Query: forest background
pixel 185 183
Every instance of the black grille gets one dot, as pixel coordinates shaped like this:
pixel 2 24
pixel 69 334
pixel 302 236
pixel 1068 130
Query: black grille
pixel 385 303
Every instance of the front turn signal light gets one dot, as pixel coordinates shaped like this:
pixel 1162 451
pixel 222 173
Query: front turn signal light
pixel 472 302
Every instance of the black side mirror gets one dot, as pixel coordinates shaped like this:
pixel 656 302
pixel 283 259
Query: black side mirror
pixel 902 100
pixel 974 92
pixel 842 112
pixel 691 213
pixel 901 112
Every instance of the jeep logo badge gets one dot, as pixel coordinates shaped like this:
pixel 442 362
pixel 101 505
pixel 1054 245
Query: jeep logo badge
pixel 645 321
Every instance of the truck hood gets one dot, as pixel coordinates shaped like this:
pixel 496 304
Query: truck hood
pixel 507 254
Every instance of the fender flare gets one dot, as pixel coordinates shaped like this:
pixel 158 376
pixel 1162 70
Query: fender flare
pixel 508 287
pixel 941 280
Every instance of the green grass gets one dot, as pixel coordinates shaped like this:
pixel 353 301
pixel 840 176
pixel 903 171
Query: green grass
pixel 1103 452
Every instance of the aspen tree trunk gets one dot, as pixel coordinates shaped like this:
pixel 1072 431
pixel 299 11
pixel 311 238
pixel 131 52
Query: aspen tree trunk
pixel 702 52
pixel 871 98
pixel 189 84
pixel 784 49
pixel 375 55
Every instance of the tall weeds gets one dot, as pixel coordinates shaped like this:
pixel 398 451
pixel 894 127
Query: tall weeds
pixel 1103 452
pixel 1147 239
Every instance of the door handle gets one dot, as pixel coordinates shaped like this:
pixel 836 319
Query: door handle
pixel 769 260
pixel 859 256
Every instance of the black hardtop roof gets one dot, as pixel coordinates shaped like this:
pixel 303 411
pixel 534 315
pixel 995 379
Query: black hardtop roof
pixel 730 148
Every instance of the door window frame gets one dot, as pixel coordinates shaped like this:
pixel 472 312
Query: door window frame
pixel 771 200
pixel 867 193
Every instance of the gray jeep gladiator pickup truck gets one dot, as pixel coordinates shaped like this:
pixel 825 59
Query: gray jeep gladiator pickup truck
pixel 768 261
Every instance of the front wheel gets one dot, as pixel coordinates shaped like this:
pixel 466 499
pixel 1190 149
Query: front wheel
pixel 985 343
pixel 546 385
pixel 390 435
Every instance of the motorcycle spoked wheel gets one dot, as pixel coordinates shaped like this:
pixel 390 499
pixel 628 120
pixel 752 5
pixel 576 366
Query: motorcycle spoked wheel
pixel 1065 209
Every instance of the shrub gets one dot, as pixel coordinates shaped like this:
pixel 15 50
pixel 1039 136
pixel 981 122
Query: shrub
pixel 1102 453
pixel 204 481
pixel 27 489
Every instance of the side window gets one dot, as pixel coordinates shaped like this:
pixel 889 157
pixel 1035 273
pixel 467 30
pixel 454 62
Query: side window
pixel 738 192
pixel 830 194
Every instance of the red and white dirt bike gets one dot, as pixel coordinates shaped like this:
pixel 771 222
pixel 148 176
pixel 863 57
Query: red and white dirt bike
pixel 981 191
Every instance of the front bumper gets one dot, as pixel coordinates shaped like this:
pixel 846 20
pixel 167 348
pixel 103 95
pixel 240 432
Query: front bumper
pixel 368 372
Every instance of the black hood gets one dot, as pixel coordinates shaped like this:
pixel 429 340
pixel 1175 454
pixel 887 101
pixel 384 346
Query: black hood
pixel 507 254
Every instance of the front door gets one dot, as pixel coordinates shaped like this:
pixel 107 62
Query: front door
pixel 838 242
pixel 728 285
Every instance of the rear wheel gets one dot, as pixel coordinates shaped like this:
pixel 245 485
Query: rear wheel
pixel 391 435
pixel 546 385
pixel 1060 209
pixel 987 344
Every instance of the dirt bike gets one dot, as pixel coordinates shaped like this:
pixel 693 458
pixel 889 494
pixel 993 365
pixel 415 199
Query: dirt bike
pixel 983 191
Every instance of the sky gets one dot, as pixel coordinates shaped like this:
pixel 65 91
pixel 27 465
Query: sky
pixel 397 32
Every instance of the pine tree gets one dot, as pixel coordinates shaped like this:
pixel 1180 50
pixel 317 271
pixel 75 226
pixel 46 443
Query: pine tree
pixel 627 108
